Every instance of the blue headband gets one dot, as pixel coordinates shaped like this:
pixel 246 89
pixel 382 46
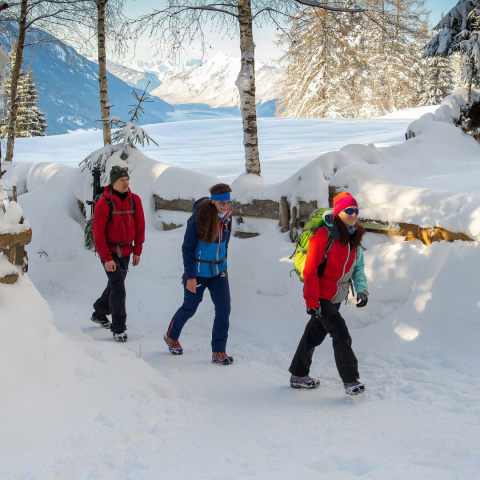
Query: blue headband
pixel 221 196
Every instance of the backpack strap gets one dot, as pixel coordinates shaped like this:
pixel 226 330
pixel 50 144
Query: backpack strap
pixel 111 208
pixel 323 263
pixel 111 212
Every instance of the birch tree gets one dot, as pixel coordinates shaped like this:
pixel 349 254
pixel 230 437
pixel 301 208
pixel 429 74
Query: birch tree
pixel 14 77
pixel 102 71
pixel 178 24
pixel 64 19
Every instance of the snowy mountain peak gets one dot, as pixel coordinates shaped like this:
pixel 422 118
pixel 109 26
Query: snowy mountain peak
pixel 213 83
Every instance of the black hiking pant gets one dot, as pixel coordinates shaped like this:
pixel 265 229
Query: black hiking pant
pixel 112 300
pixel 331 322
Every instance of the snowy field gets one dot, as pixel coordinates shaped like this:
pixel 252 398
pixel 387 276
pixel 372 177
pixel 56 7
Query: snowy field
pixel 75 405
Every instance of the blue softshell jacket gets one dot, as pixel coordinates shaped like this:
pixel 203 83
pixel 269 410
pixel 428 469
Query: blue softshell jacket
pixel 200 258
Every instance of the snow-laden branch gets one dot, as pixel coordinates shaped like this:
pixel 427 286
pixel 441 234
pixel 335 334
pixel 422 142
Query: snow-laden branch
pixel 127 135
pixel 316 4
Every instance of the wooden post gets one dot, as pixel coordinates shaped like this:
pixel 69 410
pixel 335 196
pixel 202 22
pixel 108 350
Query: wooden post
pixel 284 214
pixel 14 193
pixel 332 191
pixel 294 224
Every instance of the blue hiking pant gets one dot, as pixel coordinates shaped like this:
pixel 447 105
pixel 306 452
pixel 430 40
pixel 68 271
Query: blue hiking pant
pixel 220 294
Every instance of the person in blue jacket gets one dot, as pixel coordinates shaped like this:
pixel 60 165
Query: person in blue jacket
pixel 205 266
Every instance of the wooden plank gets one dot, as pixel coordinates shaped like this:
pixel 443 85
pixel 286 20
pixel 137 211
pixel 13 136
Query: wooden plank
pixel 429 235
pixel 10 240
pixel 178 205
pixel 386 228
pixel 9 279
pixel 256 208
pixel 413 232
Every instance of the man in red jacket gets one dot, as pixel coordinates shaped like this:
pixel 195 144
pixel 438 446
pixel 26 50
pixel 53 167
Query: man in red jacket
pixel 118 231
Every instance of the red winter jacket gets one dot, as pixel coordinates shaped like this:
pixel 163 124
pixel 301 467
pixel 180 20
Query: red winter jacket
pixel 127 229
pixel 333 284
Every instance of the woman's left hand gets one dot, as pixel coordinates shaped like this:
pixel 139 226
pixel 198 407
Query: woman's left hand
pixel 362 299
pixel 192 285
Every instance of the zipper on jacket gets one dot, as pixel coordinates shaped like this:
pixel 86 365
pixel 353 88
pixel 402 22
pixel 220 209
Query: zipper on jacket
pixel 219 244
pixel 343 273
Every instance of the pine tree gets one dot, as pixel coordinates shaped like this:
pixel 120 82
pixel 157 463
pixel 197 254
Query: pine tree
pixel 459 33
pixel 438 80
pixel 31 120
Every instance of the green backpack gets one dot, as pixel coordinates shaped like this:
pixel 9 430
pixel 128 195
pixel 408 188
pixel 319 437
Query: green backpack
pixel 302 241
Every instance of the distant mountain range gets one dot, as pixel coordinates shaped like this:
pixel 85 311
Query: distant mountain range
pixel 209 83
pixel 68 86
pixel 67 83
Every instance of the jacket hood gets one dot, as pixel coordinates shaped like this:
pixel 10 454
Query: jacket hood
pixel 198 202
pixel 329 219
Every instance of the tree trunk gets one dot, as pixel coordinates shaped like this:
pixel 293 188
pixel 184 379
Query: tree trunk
pixel 246 88
pixel 470 83
pixel 14 76
pixel 102 71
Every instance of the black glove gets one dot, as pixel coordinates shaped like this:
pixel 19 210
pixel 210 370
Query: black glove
pixel 317 316
pixel 362 299
pixel 314 312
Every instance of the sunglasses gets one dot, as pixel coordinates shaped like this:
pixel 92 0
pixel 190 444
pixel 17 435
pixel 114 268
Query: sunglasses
pixel 222 204
pixel 351 211
pixel 121 170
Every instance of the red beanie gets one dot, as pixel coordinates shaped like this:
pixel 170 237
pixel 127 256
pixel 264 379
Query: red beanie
pixel 342 201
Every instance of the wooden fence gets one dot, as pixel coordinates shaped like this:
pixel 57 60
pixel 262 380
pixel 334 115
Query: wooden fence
pixel 293 218
pixel 12 245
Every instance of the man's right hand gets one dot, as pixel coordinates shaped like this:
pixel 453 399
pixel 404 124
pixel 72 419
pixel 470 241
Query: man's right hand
pixel 314 312
pixel 110 266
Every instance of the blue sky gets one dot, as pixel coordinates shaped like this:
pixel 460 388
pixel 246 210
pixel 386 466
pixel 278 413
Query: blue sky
pixel 439 6
pixel 265 37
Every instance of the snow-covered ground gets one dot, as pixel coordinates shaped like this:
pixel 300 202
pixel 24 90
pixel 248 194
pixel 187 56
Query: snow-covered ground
pixel 75 405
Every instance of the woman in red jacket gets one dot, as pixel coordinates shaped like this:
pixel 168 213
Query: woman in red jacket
pixel 118 231
pixel 326 286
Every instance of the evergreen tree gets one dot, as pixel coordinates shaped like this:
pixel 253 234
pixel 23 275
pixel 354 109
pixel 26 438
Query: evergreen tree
pixel 438 80
pixel 31 120
pixel 459 33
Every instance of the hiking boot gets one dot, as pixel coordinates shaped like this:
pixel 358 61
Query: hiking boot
pixel 173 345
pixel 304 382
pixel 354 388
pixel 120 337
pixel 221 358
pixel 100 319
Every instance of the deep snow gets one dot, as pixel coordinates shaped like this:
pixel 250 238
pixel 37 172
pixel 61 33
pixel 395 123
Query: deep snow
pixel 76 405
